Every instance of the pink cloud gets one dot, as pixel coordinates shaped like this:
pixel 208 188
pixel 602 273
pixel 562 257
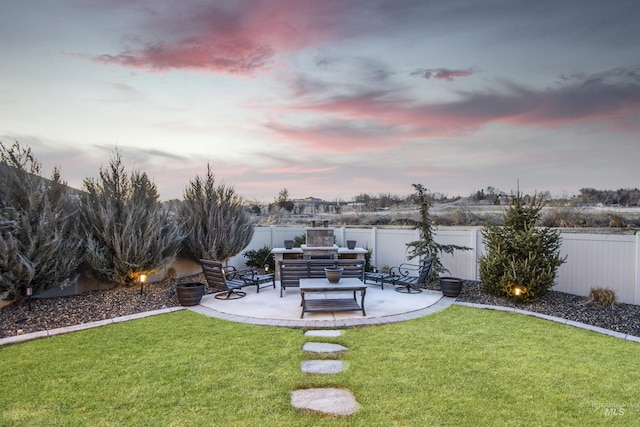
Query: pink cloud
pixel 236 38
pixel 239 57
pixel 288 170
pixel 401 113
pixel 340 137
pixel 379 120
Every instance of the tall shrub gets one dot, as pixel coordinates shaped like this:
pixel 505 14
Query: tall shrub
pixel 214 220
pixel 520 257
pixel 426 246
pixel 40 244
pixel 128 231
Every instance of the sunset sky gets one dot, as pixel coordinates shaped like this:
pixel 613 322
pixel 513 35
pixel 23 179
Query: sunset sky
pixel 329 98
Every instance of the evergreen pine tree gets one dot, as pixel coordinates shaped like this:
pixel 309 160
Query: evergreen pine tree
pixel 427 246
pixel 520 256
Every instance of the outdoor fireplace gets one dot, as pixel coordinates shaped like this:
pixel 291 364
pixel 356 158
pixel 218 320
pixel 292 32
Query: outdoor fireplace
pixel 320 244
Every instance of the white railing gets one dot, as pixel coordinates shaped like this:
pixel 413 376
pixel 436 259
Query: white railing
pixel 593 260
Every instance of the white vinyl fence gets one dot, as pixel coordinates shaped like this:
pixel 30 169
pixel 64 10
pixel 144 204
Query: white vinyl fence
pixel 593 260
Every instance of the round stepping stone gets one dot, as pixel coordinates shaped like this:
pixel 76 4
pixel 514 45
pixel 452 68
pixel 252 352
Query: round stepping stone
pixel 323 347
pixel 322 366
pixel 334 401
pixel 323 333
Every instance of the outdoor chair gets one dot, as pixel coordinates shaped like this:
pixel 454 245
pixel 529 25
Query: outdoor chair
pixel 229 278
pixel 409 278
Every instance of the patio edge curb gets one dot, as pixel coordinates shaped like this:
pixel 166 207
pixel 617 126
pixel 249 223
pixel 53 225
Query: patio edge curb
pixel 441 304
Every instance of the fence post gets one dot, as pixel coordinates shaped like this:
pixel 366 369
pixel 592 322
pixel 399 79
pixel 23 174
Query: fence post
pixel 636 291
pixel 374 246
pixel 474 249
pixel 271 236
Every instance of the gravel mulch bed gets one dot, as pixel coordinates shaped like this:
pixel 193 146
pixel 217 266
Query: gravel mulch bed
pixel 52 313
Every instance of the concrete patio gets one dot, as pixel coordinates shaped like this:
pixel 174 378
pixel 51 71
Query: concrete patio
pixel 268 308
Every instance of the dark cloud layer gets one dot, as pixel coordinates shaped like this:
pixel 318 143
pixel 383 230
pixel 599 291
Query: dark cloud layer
pixel 441 73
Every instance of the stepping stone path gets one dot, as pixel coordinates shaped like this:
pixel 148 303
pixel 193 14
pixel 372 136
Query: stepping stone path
pixel 323 347
pixel 322 366
pixel 333 401
pixel 323 333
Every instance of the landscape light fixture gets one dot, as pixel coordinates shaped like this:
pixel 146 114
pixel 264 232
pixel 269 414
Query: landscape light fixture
pixel 266 268
pixel 518 291
pixel 142 279
pixel 29 292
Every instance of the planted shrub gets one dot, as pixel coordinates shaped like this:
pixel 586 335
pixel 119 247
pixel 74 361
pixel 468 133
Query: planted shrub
pixel 40 243
pixel 128 231
pixel 214 220
pixel 367 260
pixel 257 258
pixel 521 258
pixel 299 240
pixel 602 296
pixel 16 271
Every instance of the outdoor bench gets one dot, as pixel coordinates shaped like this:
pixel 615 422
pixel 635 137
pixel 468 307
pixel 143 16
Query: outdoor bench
pixel 291 271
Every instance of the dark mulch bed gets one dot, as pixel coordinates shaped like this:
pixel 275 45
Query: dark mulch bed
pixel 51 313
pixel 54 313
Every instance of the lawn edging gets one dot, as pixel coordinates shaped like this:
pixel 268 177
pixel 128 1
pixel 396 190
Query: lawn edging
pixel 429 310
pixel 588 327
pixel 73 328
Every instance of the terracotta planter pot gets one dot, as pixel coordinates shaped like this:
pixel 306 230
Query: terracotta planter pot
pixel 450 286
pixel 189 293
pixel 288 244
pixel 351 244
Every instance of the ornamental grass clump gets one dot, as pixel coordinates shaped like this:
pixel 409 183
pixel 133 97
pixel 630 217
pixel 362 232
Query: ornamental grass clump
pixel 521 259
pixel 602 296
pixel 214 219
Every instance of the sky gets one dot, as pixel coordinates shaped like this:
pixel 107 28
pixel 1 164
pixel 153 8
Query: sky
pixel 331 98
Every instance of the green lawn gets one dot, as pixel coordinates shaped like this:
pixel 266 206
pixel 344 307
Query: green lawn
pixel 458 367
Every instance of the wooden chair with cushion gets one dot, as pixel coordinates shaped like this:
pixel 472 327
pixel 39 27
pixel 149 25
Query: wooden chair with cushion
pixel 220 277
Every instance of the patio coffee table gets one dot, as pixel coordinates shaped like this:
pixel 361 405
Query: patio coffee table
pixel 332 304
pixel 260 279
